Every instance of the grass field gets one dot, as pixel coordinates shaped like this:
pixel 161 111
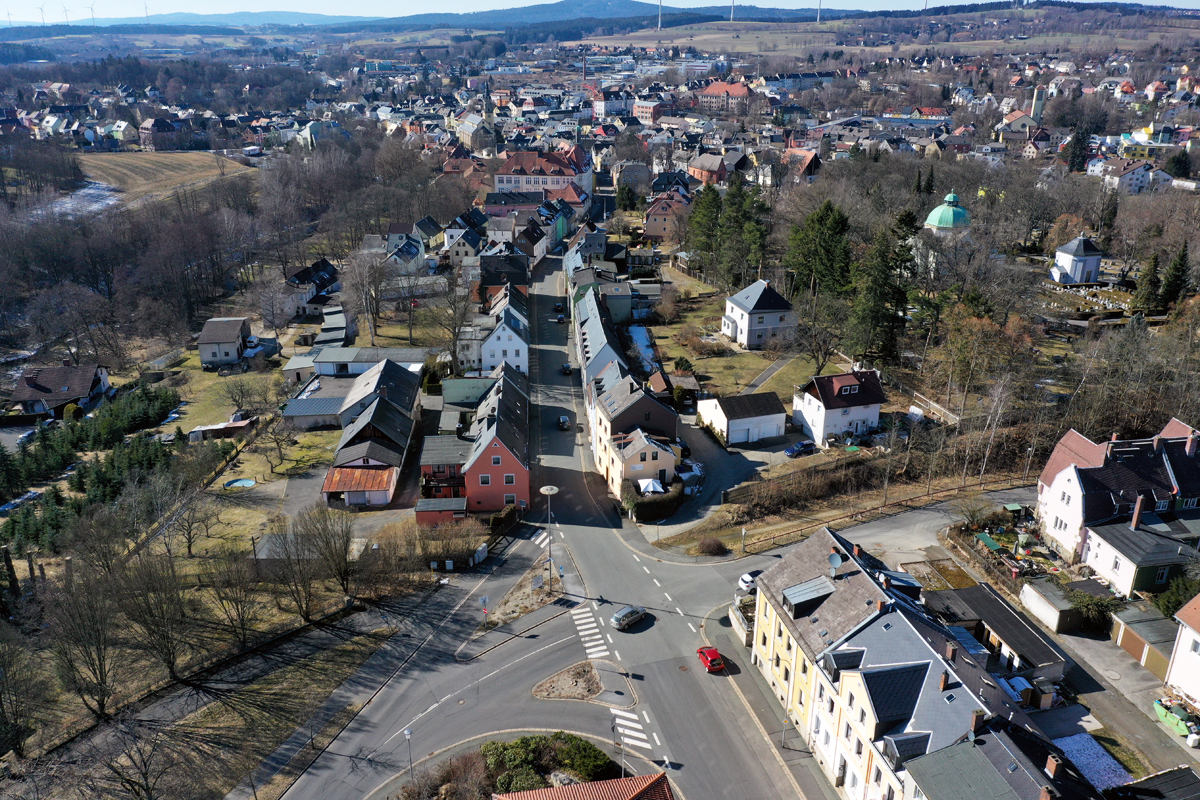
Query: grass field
pixel 143 176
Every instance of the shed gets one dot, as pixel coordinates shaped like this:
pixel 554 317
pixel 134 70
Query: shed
pixel 745 418
pixel 440 510
pixel 1142 631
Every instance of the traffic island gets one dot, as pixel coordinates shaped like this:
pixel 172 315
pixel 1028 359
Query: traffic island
pixel 597 681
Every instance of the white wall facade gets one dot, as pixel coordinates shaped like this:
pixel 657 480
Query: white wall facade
pixel 1068 269
pixel 504 346
pixel 1060 508
pixel 819 423
pixel 1183 674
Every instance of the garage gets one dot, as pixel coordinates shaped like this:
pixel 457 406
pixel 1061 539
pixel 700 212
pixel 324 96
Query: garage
pixel 745 418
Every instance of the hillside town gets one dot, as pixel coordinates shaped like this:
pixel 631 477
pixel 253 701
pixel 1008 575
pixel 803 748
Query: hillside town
pixel 608 421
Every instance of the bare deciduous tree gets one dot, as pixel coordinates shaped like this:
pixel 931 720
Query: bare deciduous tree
pixel 23 690
pixel 153 595
pixel 823 319
pixel 363 282
pixel 298 566
pixel 331 537
pixel 234 587
pixel 273 442
pixel 253 393
pixel 196 519
pixel 453 312
pixel 85 624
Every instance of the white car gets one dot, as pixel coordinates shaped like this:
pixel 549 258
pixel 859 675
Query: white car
pixel 748 583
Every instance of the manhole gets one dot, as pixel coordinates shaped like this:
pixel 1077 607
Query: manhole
pixel 683 668
pixel 460 702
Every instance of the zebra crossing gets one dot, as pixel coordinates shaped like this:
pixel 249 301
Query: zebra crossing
pixel 589 633
pixel 630 728
pixel 541 539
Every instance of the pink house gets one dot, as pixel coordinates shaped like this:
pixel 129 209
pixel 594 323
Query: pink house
pixel 496 472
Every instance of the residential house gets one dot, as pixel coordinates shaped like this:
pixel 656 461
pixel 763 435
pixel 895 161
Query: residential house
pixel 638 455
pixel 350 361
pixel 709 168
pixel 632 173
pixel 496 473
pixel 158 134
pixel 1183 674
pixel 845 404
pixel 466 245
pixel 49 390
pixel 1125 508
pixel 304 285
pixel 757 315
pixel 223 340
pixel 442 461
pixel 368 475
pixel 506 343
pixel 666 218
pixel 498 271
pixel 621 406
pixel 433 511
pixel 725 99
pixel 1077 261
pixel 533 242
pixel 531 171
pixel 1127 176
pixel 745 418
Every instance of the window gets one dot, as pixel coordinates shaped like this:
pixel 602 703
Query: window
pixel 760 320
pixel 820 692
pixel 654 456
pixel 1064 497
pixel 764 640
pixel 1161 575
pixel 830 701
pixel 495 461
pixel 647 416
pixel 862 717
pixel 816 724
pixel 878 776
pixel 485 480
pixel 777 661
pixel 845 412
pixel 850 700
pixel 516 353
pixel 510 480
pixel 786 674
pixel 858 747
pixel 781 317
pixel 917 793
pixel 846 733
pixel 1067 500
pixel 642 456
pixel 1116 565
pixel 1189 502
pixel 891 794
pixel 803 667
pixel 1196 646
pixel 504 354
pixel 1161 505
pixel 227 354
pixel 800 697
pixel 510 499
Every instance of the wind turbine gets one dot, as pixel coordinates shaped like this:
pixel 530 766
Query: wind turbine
pixel 731 4
pixel 43 10
pixel 92 8
pixel 660 15
pixel 65 15
pixel 9 17
pixel 146 6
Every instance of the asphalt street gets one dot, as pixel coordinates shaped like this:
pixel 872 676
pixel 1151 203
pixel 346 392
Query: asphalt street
pixel 685 720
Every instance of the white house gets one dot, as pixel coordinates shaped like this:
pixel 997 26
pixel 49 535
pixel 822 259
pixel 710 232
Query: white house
pixel 223 340
pixel 1077 261
pixel 744 418
pixel 830 405
pixel 757 315
pixel 1183 673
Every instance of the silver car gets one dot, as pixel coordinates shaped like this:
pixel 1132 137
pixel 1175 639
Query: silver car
pixel 627 616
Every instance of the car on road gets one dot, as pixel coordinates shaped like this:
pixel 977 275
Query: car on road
pixel 711 659
pixel 564 423
pixel 561 318
pixel 749 582
pixel 684 450
pixel 558 307
pixel 566 369
pixel 627 616
pixel 800 448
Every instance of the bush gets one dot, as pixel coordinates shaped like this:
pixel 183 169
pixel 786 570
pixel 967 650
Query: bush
pixel 581 757
pixel 711 546
pixel 651 507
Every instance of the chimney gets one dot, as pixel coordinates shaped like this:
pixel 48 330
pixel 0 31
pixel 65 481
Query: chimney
pixel 1157 444
pixel 951 651
pixel 978 720
pixel 880 606
pixel 1046 793
pixel 383 392
pixel 1114 437
pixel 858 549
pixel 943 681
pixel 1137 513
pixel 1190 449
pixel 1053 762
pixel 887 583
pixel 31 380
pixel 66 362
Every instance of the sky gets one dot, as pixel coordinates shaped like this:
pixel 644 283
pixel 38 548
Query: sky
pixel 77 10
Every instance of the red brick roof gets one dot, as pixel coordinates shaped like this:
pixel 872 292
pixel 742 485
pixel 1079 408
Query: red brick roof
pixel 1190 614
pixel 638 787
pixel 1073 448
pixel 728 89
pixel 1174 429
pixel 531 163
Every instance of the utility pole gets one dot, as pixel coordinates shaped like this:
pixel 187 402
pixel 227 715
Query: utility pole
pixel 660 15
pixel 732 2
pixel 818 12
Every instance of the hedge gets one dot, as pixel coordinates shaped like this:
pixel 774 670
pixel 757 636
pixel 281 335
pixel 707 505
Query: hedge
pixel 651 507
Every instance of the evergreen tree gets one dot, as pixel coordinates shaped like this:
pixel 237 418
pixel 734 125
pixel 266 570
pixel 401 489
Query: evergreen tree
pixel 818 252
pixel 703 231
pixel 1179 165
pixel 929 181
pixel 1108 220
pixel 917 188
pixel 1148 286
pixel 875 316
pixel 1077 152
pixel 1175 281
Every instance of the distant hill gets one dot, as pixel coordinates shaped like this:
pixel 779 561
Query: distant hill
pixel 238 18
pixel 28 32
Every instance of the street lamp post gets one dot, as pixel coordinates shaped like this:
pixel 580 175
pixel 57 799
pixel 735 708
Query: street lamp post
pixel 616 746
pixel 549 491
pixel 408 737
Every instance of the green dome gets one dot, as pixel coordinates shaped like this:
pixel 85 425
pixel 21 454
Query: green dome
pixel 948 216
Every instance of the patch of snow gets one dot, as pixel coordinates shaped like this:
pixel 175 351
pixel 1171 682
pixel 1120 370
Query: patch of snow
pixel 645 346
pixel 1094 761
pixel 88 199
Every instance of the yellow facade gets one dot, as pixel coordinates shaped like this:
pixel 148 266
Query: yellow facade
pixel 781 661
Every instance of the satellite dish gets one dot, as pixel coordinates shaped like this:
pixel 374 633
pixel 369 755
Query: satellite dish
pixel 835 560
pixel 970 736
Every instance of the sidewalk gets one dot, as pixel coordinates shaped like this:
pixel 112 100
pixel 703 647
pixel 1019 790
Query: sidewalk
pixel 756 694
pixel 766 374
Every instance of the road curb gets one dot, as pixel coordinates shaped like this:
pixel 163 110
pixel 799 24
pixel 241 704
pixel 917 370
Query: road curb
pixel 593 701
pixel 380 791
pixel 750 711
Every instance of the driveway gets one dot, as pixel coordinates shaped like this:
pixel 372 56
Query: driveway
pixel 9 436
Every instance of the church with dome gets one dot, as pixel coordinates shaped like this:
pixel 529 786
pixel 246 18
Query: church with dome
pixel 948 219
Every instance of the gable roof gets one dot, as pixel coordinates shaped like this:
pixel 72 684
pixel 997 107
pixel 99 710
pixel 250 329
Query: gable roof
pixel 388 421
pixel 374 449
pixel 400 385
pixel 55 385
pixel 1190 614
pixel 360 479
pixel 219 330
pixel 745 406
pixel 828 389
pixel 1072 448
pixel 1180 783
pixel 760 296
pixel 1080 247
pixel 637 787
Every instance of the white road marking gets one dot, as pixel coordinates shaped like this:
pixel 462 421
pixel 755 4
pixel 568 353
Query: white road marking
pixel 656 583
pixel 619 713
pixel 609 637
pixel 656 741
pixel 669 600
pixel 601 621
pixel 592 641
pixel 595 605
pixel 679 610
pixel 596 653
pixel 635 558
pixel 636 743
pixel 693 629
pixel 561 535
pixel 581 612
pixel 591 628
pixel 617 654
pixel 646 716
pixel 634 734
pixel 647 571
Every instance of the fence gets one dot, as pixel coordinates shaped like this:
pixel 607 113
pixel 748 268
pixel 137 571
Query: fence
pixel 745 491
pixel 890 508
pixel 938 410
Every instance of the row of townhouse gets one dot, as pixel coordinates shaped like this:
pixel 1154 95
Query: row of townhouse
pixel 889 689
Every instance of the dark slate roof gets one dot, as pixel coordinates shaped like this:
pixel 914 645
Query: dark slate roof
pixel 1081 247
pixel 321 274
pixel 497 270
pixel 313 407
pixel 55 385
pixel 894 690
pixel 219 330
pixel 745 406
pixel 374 449
pixel 828 389
pixel 1156 542
pixel 1133 468
pixel 441 504
pixel 1180 783
pixel 982 602
pixel 760 296
pixel 386 418
pixel 445 450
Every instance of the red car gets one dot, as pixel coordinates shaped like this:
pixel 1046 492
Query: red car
pixel 711 659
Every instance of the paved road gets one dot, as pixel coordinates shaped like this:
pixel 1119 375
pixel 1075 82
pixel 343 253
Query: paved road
pixel 765 375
